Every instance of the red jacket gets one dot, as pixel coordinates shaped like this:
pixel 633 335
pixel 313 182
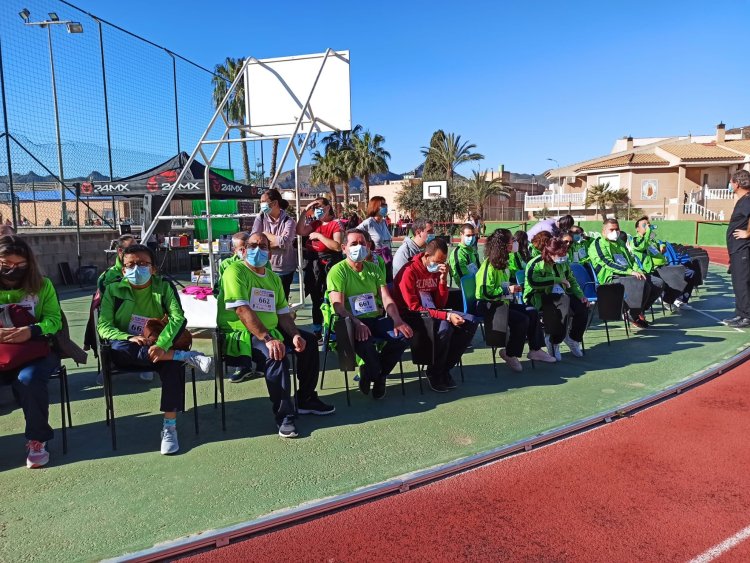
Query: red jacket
pixel 416 289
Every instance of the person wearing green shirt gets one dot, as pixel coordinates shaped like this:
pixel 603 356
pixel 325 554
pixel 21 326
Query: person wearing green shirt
pixel 239 240
pixel 21 282
pixel 357 290
pixel 650 252
pixel 578 247
pixel 464 259
pixel 520 253
pixel 550 283
pixel 494 286
pixel 613 263
pixel 126 307
pixel 114 273
pixel 254 314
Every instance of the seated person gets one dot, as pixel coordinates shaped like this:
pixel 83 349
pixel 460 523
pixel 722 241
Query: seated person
pixel 126 307
pixel 578 248
pixel 253 311
pixel 358 291
pixel 651 255
pixel 422 285
pixel 114 273
pixel 613 263
pixel 521 253
pixel 424 232
pixel 464 259
pixel 21 282
pixel 239 240
pixel 495 286
pixel 548 277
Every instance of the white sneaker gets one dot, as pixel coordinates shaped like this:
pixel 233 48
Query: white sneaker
pixel 680 304
pixel 550 347
pixel 198 360
pixel 541 356
pixel 147 375
pixel 575 347
pixel 169 443
pixel 513 363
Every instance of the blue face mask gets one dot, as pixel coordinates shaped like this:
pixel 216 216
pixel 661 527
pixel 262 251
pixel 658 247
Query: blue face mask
pixel 576 238
pixel 265 208
pixel 318 213
pixel 357 253
pixel 469 241
pixel 257 257
pixel 430 237
pixel 561 259
pixel 383 211
pixel 138 275
pixel 433 267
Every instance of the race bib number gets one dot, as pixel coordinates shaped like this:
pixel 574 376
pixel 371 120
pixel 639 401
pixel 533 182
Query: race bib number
pixel 363 304
pixel 472 268
pixel 557 289
pixel 581 253
pixel 426 299
pixel 620 259
pixel 137 322
pixel 29 303
pixel 652 248
pixel 262 300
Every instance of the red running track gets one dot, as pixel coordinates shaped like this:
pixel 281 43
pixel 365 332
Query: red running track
pixel 664 485
pixel 718 255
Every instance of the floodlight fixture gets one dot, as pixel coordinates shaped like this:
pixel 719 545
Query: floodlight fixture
pixel 74 27
pixel 53 16
pixel 25 15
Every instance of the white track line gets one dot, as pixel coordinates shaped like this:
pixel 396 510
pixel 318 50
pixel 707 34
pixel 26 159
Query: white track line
pixel 711 317
pixel 723 547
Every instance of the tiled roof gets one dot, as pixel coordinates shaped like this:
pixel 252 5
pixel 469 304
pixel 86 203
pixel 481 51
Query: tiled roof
pixel 636 159
pixel 741 146
pixel 696 151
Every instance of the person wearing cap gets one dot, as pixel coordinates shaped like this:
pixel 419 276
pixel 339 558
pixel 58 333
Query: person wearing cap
pixel 424 232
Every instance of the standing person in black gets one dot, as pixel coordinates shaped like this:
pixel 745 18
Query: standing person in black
pixel 738 245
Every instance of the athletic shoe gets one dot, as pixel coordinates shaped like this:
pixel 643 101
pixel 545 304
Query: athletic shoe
pixel 147 375
pixel 548 344
pixel 37 454
pixel 378 388
pixel 169 443
pixel 575 347
pixel 680 304
pixel 240 375
pixel 287 429
pixel 642 319
pixel 436 386
pixel 731 320
pixel 513 363
pixel 742 323
pixel 199 361
pixel 314 405
pixel 364 383
pixel 319 336
pixel 542 356
pixel 449 382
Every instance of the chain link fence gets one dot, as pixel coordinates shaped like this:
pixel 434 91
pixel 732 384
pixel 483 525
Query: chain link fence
pixel 93 103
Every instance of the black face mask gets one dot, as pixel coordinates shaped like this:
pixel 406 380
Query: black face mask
pixel 14 274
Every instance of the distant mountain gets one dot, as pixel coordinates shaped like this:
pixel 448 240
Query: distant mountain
pixel 286 181
pixel 514 176
pixel 34 178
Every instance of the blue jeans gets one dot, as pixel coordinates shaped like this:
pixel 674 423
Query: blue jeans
pixel 126 354
pixel 30 386
pixel 377 365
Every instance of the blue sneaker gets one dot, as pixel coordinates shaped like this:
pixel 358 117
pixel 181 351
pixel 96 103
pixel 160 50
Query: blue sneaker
pixel 240 375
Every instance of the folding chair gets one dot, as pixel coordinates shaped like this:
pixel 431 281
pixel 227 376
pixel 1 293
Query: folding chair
pixel 611 305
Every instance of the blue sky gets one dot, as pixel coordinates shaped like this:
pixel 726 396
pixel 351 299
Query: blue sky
pixel 524 81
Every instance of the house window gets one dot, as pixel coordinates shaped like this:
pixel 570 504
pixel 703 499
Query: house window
pixel 612 179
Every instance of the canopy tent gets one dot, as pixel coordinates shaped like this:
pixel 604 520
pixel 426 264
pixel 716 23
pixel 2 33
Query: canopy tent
pixel 160 179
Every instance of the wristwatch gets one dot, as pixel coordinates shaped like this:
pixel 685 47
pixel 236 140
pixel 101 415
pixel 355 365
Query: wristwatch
pixel 267 337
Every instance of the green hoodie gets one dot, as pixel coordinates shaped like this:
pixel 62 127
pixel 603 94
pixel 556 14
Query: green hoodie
pixel 44 306
pixel 611 259
pixel 110 275
pixel 124 309
pixel 461 260
pixel 646 250
pixel 516 262
pixel 541 279
pixel 490 282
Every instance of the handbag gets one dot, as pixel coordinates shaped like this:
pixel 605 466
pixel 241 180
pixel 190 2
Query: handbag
pixel 154 327
pixel 14 355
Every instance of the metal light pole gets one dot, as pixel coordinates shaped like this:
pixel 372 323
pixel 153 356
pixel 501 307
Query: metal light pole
pixel 559 183
pixel 72 27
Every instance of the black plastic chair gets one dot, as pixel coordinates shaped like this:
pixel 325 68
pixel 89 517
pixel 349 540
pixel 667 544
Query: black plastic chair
pixel 610 300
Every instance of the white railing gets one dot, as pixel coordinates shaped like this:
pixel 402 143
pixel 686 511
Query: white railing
pixel 698 209
pixel 718 194
pixel 554 200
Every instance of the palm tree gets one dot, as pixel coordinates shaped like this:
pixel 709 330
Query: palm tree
pixel 450 153
pixel 224 75
pixel 274 156
pixel 325 170
pixel 603 198
pixel 478 189
pixel 341 142
pixel 367 157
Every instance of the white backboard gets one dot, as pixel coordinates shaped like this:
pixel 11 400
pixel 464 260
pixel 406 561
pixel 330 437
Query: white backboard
pixel 435 190
pixel 276 91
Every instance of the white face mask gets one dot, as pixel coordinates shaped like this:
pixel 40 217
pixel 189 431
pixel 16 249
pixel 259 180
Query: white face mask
pixel 613 235
pixel 515 246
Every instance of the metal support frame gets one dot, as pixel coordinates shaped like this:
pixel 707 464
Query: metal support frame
pixel 252 136
pixel 7 141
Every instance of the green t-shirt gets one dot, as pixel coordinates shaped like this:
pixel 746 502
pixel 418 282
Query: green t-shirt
pixel 145 306
pixel 361 289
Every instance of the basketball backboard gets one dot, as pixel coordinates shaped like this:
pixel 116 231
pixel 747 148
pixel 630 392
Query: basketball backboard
pixel 276 91
pixel 435 189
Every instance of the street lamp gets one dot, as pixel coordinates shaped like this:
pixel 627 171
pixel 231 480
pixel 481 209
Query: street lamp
pixel 72 27
pixel 559 182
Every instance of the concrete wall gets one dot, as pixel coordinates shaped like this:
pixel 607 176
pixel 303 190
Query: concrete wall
pixel 54 247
